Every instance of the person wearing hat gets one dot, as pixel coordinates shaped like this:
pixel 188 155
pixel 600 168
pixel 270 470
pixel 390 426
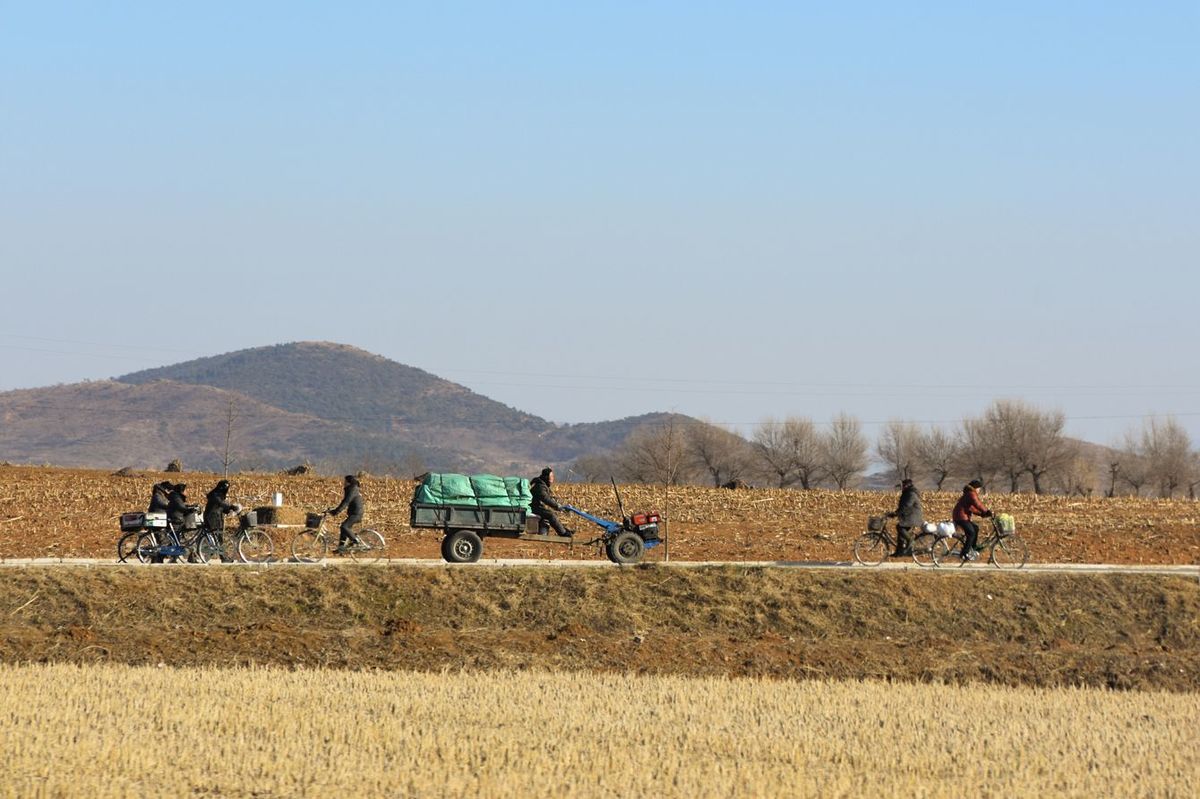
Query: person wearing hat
pixel 352 503
pixel 216 505
pixel 544 504
pixel 968 505
pixel 908 515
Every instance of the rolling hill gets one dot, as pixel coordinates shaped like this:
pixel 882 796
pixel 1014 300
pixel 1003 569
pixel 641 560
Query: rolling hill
pixel 335 406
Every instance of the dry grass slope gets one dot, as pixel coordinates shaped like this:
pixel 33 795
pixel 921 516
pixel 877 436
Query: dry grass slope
pixel 1134 632
pixel 106 731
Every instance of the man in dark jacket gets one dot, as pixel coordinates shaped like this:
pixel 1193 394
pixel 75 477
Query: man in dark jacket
pixel 969 504
pixel 216 505
pixel 908 515
pixel 352 503
pixel 544 504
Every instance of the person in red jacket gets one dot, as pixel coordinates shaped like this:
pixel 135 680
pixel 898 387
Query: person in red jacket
pixel 968 505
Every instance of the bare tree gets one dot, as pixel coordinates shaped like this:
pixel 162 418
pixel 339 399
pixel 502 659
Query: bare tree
pixel 1077 477
pixel 789 450
pixel 845 450
pixel 231 417
pixel 937 454
pixel 976 457
pixel 1014 439
pixel 1132 466
pixel 1004 426
pixel 1193 475
pixel 653 454
pixel 595 468
pixel 898 446
pixel 721 454
pixel 1167 449
pixel 1042 447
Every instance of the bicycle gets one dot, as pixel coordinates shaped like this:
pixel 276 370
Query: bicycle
pixel 172 543
pixel 133 526
pixel 1006 549
pixel 312 544
pixel 251 542
pixel 197 543
pixel 877 544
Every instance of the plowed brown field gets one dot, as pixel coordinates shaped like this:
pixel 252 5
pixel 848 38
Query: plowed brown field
pixel 48 511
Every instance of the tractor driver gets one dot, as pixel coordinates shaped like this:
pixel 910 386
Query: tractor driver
pixel 544 504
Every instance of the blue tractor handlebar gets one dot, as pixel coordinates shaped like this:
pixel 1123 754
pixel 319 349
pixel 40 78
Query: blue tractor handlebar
pixel 605 524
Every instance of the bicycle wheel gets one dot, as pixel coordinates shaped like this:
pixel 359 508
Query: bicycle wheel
pixel 255 546
pixel 1009 552
pixel 372 547
pixel 127 547
pixel 946 552
pixel 207 547
pixel 922 549
pixel 870 549
pixel 146 546
pixel 309 546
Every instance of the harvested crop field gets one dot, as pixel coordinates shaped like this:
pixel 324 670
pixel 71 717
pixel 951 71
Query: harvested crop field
pixel 263 732
pixel 73 513
pixel 1116 631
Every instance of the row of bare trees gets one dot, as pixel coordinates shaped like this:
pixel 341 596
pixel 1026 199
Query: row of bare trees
pixel 1012 445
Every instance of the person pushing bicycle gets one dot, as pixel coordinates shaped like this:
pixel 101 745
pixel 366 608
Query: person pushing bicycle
pixel 908 515
pixel 216 505
pixel 352 503
pixel 968 505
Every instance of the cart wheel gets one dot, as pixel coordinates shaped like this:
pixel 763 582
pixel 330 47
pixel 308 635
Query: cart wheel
pixel 627 547
pixel 462 546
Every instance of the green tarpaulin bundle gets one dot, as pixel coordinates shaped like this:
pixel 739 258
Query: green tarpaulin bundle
pixel 480 490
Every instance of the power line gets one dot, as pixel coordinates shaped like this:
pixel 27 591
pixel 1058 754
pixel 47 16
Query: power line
pixel 19 405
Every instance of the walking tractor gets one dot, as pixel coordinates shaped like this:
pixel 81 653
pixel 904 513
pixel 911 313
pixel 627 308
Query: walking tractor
pixel 469 509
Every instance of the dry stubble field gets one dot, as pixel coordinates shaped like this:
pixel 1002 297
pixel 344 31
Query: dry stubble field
pixel 73 513
pixel 120 731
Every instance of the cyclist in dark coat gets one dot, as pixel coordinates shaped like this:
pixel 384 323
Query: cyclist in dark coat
pixel 160 495
pixel 352 503
pixel 177 506
pixel 908 515
pixel 544 504
pixel 216 505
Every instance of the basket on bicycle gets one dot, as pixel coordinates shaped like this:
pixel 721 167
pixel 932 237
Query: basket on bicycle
pixel 875 523
pixel 313 520
pixel 249 519
pixel 1005 523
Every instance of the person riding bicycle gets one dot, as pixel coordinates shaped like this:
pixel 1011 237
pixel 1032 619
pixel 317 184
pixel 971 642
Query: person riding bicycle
pixel 544 504
pixel 216 505
pixel 968 505
pixel 352 503
pixel 908 515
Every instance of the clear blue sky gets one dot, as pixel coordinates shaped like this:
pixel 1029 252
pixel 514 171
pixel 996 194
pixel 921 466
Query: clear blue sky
pixel 732 210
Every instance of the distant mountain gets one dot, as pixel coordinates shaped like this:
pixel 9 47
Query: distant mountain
pixel 336 406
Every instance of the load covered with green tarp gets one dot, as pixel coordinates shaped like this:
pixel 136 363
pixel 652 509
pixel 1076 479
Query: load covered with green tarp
pixel 476 491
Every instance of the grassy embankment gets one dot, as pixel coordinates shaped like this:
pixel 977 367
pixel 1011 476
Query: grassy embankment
pixel 1014 629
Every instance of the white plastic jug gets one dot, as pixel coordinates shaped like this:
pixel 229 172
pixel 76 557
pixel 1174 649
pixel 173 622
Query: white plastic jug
pixel 277 499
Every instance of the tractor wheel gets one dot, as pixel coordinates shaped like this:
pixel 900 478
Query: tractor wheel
pixel 626 548
pixel 462 546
